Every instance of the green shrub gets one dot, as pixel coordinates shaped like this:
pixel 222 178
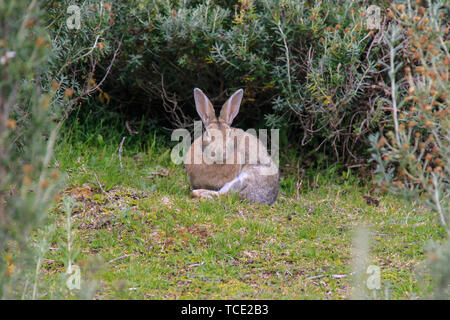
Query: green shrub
pixel 413 158
pixel 308 67
pixel 27 135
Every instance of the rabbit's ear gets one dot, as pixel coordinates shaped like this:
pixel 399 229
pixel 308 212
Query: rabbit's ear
pixel 231 108
pixel 204 107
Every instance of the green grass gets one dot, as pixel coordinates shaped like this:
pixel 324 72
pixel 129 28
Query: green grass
pixel 155 242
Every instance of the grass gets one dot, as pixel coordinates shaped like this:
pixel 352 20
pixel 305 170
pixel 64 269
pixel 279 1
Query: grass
pixel 150 240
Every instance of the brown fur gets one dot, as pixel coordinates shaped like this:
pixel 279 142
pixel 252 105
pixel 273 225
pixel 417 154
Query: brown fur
pixel 206 178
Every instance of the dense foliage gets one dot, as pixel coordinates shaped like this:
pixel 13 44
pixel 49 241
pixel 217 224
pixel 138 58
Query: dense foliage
pixel 27 184
pixel 307 67
pixel 413 158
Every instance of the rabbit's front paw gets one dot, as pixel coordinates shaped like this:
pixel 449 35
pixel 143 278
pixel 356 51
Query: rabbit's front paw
pixel 203 193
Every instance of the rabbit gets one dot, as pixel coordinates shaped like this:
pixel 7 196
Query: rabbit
pixel 225 159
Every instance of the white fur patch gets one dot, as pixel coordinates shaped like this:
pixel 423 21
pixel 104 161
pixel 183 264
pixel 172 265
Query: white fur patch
pixel 239 179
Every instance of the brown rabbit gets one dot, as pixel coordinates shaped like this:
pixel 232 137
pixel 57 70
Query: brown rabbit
pixel 226 159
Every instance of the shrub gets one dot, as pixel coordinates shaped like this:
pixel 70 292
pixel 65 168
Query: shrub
pixel 413 158
pixel 27 135
pixel 307 67
pixel 320 68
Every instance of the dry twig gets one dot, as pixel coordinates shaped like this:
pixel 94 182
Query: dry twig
pixel 120 152
pixel 163 173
